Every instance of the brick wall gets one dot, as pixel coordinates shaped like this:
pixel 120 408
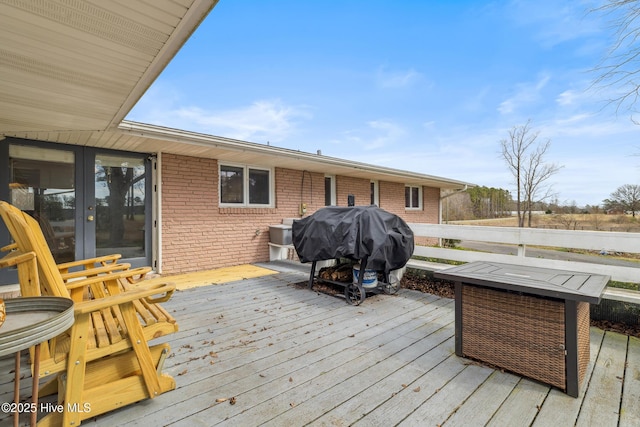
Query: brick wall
pixel 197 234
pixel 392 200
pixel 360 188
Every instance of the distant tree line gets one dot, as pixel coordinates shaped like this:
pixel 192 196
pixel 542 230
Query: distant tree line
pixel 477 203
pixel 490 202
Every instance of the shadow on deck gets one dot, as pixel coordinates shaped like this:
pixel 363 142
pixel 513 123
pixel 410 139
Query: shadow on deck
pixel 260 351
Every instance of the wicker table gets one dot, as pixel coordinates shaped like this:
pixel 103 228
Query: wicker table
pixel 528 320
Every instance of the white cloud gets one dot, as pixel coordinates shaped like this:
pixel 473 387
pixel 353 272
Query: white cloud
pixel 396 79
pixel 567 98
pixel 555 22
pixel 261 121
pixel 375 136
pixel 592 129
pixel 526 93
pixel 385 133
pixel 507 106
pixel 477 102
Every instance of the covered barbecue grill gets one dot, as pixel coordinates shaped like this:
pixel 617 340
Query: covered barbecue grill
pixel 377 239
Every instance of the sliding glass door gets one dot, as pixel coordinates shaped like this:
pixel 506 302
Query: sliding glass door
pixel 119 208
pixel 89 202
pixel 42 183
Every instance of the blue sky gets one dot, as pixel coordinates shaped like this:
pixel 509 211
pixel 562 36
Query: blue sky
pixel 425 86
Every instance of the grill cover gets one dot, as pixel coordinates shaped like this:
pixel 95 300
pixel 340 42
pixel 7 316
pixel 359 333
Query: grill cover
pixel 354 232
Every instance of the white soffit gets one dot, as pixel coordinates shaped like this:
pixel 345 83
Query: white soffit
pixel 70 65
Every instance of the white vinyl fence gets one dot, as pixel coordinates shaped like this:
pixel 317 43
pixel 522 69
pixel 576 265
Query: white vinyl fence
pixel 523 237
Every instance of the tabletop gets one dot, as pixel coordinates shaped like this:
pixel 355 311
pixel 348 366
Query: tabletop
pixel 32 320
pixel 567 285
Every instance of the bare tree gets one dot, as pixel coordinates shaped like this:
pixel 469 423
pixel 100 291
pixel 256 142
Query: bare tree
pixel 525 158
pixel 536 174
pixel 619 71
pixel 625 198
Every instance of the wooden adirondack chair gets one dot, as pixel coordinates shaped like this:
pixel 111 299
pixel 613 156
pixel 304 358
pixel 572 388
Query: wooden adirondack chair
pixel 151 312
pixel 104 361
pixel 69 270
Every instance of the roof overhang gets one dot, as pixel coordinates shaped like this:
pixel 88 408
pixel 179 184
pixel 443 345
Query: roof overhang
pixel 201 145
pixel 146 138
pixel 82 65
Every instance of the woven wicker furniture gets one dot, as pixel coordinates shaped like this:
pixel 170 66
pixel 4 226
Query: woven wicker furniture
pixel 529 320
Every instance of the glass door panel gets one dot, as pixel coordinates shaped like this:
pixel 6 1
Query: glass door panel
pixel 119 211
pixel 42 183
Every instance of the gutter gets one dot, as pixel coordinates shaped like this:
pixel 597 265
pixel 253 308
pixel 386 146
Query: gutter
pixel 205 140
pixel 462 190
pixel 466 187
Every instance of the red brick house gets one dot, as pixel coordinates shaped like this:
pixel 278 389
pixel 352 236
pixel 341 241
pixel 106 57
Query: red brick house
pixel 178 200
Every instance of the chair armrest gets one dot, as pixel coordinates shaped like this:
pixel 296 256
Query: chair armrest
pixel 152 282
pixel 117 275
pixel 95 271
pixel 8 248
pixel 90 262
pixel 16 257
pixel 142 291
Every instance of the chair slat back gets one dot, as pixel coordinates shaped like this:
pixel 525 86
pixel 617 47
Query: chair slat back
pixel 27 234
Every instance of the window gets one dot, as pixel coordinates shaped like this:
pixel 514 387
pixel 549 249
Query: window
pixel 245 186
pixel 375 193
pixel 329 190
pixel 259 187
pixel 412 197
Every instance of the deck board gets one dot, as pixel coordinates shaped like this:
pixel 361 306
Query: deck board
pixel 440 406
pixel 362 394
pixel 486 400
pixel 630 413
pixel 521 406
pixel 601 405
pixel 561 409
pixel 294 357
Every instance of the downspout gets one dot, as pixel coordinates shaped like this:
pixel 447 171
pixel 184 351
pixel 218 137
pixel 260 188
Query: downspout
pixel 466 187
pixel 156 257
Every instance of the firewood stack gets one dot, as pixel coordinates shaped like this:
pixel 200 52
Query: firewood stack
pixel 338 273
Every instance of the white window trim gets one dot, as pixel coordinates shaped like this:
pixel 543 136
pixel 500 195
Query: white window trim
pixel 419 208
pixel 245 187
pixel 333 189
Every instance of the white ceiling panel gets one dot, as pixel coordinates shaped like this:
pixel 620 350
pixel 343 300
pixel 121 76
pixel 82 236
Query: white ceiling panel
pixel 82 65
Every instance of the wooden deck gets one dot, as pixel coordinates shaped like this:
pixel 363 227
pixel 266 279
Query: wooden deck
pixel 293 357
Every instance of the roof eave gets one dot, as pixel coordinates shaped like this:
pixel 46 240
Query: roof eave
pixel 328 163
pixel 196 13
